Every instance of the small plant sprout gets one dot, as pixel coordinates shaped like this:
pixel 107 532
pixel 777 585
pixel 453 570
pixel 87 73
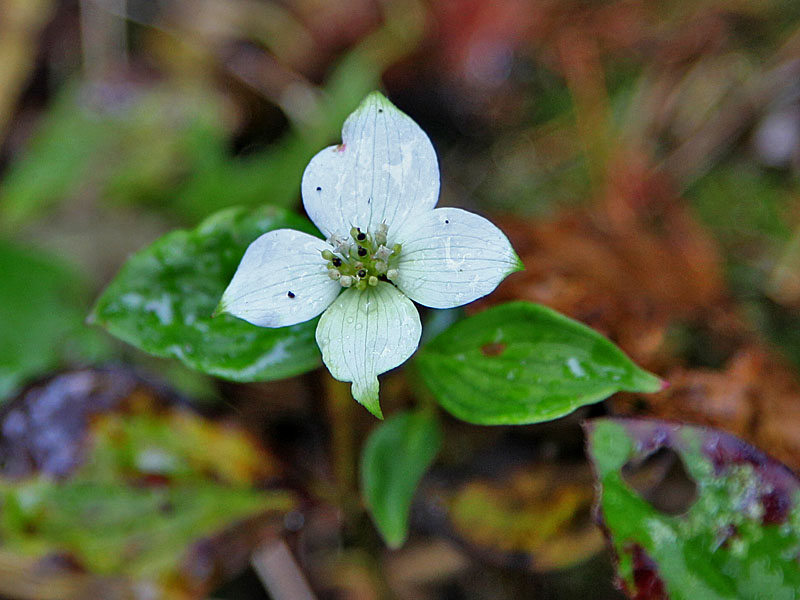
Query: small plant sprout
pixel 373 198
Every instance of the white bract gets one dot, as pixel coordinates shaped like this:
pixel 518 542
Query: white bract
pixel 373 197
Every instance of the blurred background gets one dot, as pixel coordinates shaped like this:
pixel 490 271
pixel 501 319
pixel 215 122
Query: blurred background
pixel 643 157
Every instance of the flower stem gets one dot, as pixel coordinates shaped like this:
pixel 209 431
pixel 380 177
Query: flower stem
pixel 340 406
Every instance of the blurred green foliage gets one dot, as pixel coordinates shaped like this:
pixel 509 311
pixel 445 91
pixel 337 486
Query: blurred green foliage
pixel 153 484
pixel 43 304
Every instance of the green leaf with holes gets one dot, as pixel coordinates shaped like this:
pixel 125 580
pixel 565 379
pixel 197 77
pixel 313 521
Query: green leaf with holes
pixel 523 363
pixel 738 536
pixel 395 457
pixel 163 298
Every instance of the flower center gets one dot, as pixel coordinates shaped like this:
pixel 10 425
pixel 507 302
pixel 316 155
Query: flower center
pixel 363 259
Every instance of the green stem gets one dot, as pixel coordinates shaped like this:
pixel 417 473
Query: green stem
pixel 340 407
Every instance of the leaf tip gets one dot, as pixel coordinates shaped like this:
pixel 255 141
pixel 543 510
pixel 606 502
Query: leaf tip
pixel 366 394
pixel 394 542
pixel 376 97
pixel 647 383
pixel 518 264
pixel 221 308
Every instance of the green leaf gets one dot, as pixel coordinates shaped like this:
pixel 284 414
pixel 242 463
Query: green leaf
pixel 740 536
pixel 524 363
pixel 42 305
pixel 163 298
pixel 395 457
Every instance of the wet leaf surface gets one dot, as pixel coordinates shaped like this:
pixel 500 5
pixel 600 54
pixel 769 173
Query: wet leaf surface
pixel 524 363
pixel 109 483
pixel 163 298
pixel 740 537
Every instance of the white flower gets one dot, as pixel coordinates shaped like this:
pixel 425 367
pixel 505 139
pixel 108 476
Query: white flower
pixel 373 197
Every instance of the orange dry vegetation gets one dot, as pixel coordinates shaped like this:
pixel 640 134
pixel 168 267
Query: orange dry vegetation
pixel 637 268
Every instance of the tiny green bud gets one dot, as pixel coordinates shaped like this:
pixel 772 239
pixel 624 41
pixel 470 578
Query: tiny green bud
pixel 392 274
pixel 341 244
pixel 380 234
pixel 373 281
pixel 361 285
pixel 354 231
pixel 346 281
pixel 396 248
pixel 327 255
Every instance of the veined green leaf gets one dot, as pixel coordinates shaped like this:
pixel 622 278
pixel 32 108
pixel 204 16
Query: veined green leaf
pixel 524 363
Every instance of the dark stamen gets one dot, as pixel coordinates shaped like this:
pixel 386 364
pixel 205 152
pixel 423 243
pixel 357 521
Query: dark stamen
pixel 361 236
pixel 362 251
pixel 362 273
pixel 337 262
